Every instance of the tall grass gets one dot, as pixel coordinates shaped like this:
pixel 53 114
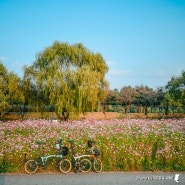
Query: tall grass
pixel 125 144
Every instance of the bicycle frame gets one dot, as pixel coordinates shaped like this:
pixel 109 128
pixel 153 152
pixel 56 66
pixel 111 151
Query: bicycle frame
pixel 77 158
pixel 45 158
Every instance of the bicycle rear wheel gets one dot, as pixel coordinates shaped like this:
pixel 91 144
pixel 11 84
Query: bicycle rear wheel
pixel 97 164
pixel 31 166
pixel 85 165
pixel 65 166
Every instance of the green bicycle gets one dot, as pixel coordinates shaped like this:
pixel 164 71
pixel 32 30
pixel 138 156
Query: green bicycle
pixel 31 166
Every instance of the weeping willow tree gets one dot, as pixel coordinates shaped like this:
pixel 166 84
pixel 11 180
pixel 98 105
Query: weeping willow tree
pixel 69 78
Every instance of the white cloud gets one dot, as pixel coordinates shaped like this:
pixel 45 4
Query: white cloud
pixel 118 72
pixel 115 70
pixel 110 63
pixel 161 73
pixel 18 64
pixel 3 59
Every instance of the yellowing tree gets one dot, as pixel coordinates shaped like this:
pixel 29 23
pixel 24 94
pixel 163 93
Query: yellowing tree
pixel 4 105
pixel 69 78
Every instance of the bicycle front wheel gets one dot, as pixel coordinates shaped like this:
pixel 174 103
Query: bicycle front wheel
pixel 97 164
pixel 65 166
pixel 31 166
pixel 85 165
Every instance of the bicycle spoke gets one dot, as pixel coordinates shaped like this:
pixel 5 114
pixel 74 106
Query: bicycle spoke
pixel 85 165
pixel 31 166
pixel 97 165
pixel 65 166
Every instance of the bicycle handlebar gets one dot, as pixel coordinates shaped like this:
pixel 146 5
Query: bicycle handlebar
pixel 40 142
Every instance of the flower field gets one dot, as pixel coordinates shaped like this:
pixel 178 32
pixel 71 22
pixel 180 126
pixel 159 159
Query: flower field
pixel 125 144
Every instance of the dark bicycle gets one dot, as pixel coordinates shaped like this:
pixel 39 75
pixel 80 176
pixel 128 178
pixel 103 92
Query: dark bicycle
pixel 32 165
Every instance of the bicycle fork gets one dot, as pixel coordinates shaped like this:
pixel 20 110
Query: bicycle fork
pixel 42 162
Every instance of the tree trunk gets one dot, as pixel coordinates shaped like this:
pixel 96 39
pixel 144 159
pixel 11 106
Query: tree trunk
pixel 125 110
pixel 146 111
pixel 166 110
pixel 58 115
pixel 65 115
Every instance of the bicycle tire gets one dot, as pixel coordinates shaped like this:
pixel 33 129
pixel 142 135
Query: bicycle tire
pixel 65 166
pixel 31 166
pixel 85 165
pixel 97 165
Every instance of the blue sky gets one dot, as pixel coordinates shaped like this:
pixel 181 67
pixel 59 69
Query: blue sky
pixel 142 41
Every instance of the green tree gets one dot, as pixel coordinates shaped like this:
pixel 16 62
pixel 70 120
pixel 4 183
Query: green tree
pixel 144 97
pixel 175 91
pixel 69 78
pixel 111 100
pixel 15 91
pixel 11 92
pixel 158 98
pixel 4 105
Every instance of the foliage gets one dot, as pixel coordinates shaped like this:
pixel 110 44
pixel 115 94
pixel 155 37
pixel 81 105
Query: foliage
pixel 11 92
pixel 125 144
pixel 171 97
pixel 4 105
pixel 69 78
pixel 144 96
pixel 127 95
pixel 175 95
pixel 112 97
pixel 138 97
pixel 15 90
